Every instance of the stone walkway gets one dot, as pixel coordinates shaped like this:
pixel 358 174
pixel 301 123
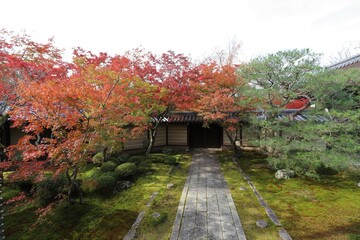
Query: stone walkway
pixel 206 209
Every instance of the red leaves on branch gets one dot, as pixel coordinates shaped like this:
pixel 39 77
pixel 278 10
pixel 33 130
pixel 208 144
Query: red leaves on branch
pixel 71 110
pixel 217 92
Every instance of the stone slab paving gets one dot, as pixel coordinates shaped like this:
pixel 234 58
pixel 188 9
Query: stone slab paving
pixel 206 209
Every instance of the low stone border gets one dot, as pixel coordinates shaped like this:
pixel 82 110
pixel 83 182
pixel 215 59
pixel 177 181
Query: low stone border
pixel 132 232
pixel 271 214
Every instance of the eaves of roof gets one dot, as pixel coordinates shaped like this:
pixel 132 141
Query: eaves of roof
pixel 346 62
pixel 193 117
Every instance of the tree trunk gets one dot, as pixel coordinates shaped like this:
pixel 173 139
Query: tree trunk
pixel 151 140
pixel 104 154
pixel 237 150
pixel 73 186
pixel 153 130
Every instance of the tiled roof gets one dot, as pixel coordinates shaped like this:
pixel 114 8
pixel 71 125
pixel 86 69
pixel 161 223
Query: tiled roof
pixel 305 117
pixel 346 62
pixel 193 117
pixel 184 117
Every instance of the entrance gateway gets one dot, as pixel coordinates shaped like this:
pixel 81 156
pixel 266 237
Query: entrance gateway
pixel 205 137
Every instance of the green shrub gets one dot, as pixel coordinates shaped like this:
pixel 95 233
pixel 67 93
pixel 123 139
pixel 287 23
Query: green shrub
pixel 113 159
pixel 106 183
pixel 123 158
pixel 108 166
pixel 144 165
pixel 119 159
pixel 136 159
pixel 310 164
pixel 162 158
pixel 300 166
pixel 98 158
pixel 125 170
pixel 48 189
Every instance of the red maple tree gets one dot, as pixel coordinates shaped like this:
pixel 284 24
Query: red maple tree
pixel 96 107
pixel 218 98
pixel 171 73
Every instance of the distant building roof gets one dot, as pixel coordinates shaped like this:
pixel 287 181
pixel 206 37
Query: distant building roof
pixel 346 62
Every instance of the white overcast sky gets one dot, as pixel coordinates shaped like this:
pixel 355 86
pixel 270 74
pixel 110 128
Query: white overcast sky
pixel 192 27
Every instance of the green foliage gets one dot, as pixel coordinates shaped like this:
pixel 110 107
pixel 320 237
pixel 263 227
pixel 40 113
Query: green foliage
pixel 108 166
pixel 279 78
pixel 123 158
pixel 136 159
pixel 48 189
pixel 125 170
pixel 329 138
pixel 98 158
pixel 106 183
pixel 144 165
pixel 162 158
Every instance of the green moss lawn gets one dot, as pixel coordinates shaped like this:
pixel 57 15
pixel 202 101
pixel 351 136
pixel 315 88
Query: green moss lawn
pixel 307 208
pixel 106 217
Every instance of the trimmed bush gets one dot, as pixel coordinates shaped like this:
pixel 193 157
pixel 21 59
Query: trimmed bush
pixel 125 170
pixel 162 158
pixel 98 158
pixel 145 165
pixel 136 159
pixel 108 166
pixel 123 158
pixel 119 159
pixel 106 183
